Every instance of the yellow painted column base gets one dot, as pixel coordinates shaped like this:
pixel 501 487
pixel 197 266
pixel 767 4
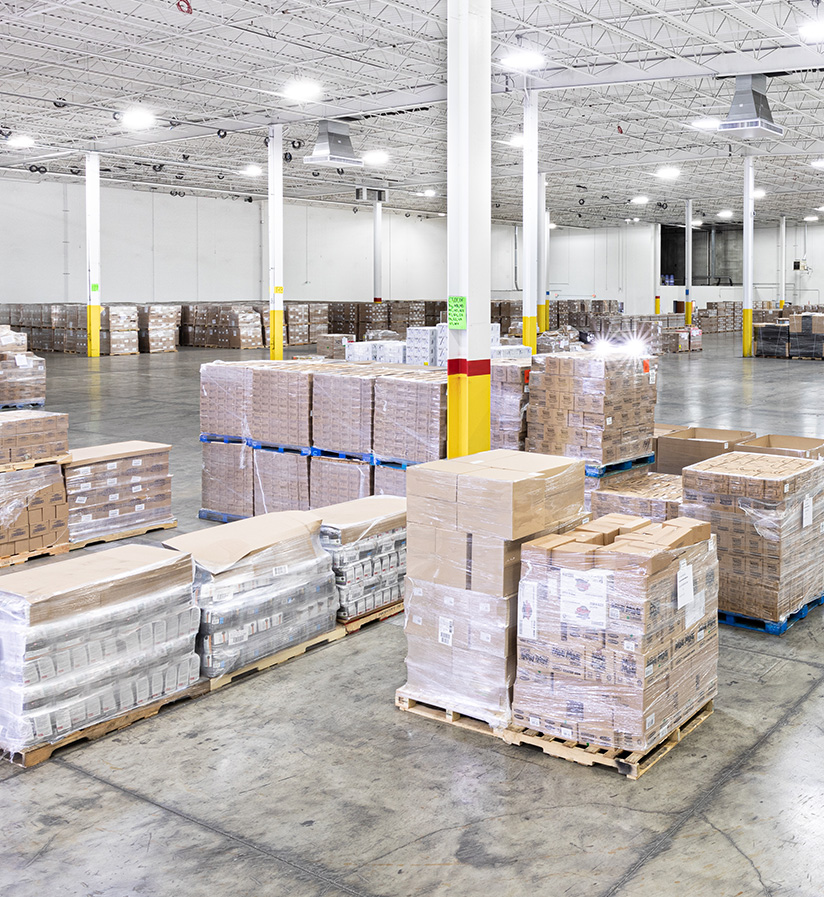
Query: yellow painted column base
pixel 276 334
pixel 747 333
pixel 688 313
pixel 542 318
pixel 93 331
pixel 657 305
pixel 531 332
pixel 467 411
pixel 781 304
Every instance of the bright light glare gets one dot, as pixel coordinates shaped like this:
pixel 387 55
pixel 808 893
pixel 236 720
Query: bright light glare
pixel 430 193
pixel 375 157
pixel 20 141
pixel 441 214
pixel 706 124
pixel 552 225
pixel 252 171
pixel 668 173
pixel 639 200
pixel 759 193
pixel 523 60
pixel 516 140
pixel 303 91
pixel 817 163
pixel 635 347
pixel 811 218
pixel 636 219
pixel 725 213
pixel 812 32
pixel 602 347
pixel 696 222
pixel 138 119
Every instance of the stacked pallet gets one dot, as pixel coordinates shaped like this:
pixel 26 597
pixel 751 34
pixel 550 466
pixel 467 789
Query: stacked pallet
pixel 158 327
pixel 22 373
pixel 119 330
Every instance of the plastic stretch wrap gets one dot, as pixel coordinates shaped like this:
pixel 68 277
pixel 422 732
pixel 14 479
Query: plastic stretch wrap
pixel 333 345
pixel 617 631
pixel 11 341
pixel 421 345
pixel 225 398
pixel 410 416
pixel 33 510
pixel 389 480
pixel 509 398
pixel 364 351
pixel 390 351
pixel 596 407
pixel 343 406
pixel 32 435
pixel 653 495
pixel 382 336
pixel 22 378
pixel 117 488
pixel 366 540
pixel 227 478
pixel 281 481
pixel 86 640
pixel 119 318
pixel 767 512
pixel 334 480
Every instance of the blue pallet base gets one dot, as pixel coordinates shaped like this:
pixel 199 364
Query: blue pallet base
pixel 768 626
pixel 395 463
pixel 368 457
pixel 218 517
pixel 604 470
pixel 216 437
pixel 281 449
pixel 22 406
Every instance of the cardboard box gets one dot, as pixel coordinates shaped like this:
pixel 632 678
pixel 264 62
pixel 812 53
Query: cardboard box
pixel 795 446
pixel 685 447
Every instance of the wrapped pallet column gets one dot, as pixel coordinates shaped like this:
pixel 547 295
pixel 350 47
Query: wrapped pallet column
pixel 262 585
pixel 91 638
pixel 509 399
pixel 653 495
pixel 467 519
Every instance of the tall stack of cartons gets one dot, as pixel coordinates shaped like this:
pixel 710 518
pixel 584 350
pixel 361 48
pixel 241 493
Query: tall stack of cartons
pixel 806 336
pixel 596 407
pixel 318 320
pixel 421 346
pixel 158 327
pixel 653 495
pixel 767 512
pixel 91 638
pixel 617 631
pixel 238 327
pixel 22 373
pixel 343 317
pixel 509 399
pixel 118 330
pixel 467 519
pixel 410 416
pixel 297 323
pixel 333 345
pixel 372 316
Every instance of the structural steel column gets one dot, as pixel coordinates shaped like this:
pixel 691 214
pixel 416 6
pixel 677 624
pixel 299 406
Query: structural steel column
pixel 93 302
pixel 468 223
pixel 688 262
pixel 782 262
pixel 656 267
pixel 543 250
pixel 749 216
pixel 377 252
pixel 275 202
pixel 531 206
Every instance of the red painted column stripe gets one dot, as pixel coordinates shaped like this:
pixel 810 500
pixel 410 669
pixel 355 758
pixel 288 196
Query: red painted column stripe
pixel 470 368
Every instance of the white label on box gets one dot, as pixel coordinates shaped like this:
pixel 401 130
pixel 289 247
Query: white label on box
pixel 138 462
pixel 157 684
pixel 614 613
pixel 142 690
pixel 80 500
pixel 112 465
pixel 565 731
pixel 46 667
pixel 137 488
pixel 609 421
pixel 650 720
pixel 84 487
pixel 528 610
pixel 62 721
pixel 629 646
pixel 42 726
pixel 648 670
pixel 584 597
pixel 486 637
pixel 449 600
pixel 79 657
pixel 700 636
pixel 111 481
pixel 7 338
pixel 86 518
pixel 652 376
pixel 83 472
pixel 711 546
pixel 21 361
pixel 786 487
pixel 279 571
pixel 93 707
pixel 535 721
pixel 95 651
pixel 418 621
pixel 695 609
pixel 446 629
pixel 236 636
pixel 140 507
pixel 63 662
pixel 726 445
pixel 807 512
pixel 684 585
pixel 114 496
pixel 114 513
pixel 108 703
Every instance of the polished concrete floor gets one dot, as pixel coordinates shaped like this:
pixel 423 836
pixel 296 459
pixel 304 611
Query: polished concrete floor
pixel 307 781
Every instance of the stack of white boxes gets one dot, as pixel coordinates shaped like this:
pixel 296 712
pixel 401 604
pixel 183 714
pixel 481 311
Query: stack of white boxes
pixel 421 345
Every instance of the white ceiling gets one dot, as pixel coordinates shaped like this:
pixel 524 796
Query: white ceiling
pixel 623 80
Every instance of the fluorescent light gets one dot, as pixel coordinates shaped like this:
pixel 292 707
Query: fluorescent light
pixel 552 225
pixel 636 219
pixel 252 171
pixel 430 192
pixel 812 32
pixel 375 157
pixel 138 119
pixel 725 213
pixel 696 222
pixel 441 214
pixel 819 209
pixel 668 173
pixel 759 193
pixel 301 91
pixel 811 217
pixel 516 140
pixel 523 60
pixel 706 124
pixel 20 141
pixel 639 200
pixel 628 220
pixel 817 163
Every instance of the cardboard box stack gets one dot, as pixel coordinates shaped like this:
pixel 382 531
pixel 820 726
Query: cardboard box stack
pixel 239 327
pixel 654 495
pixel 33 436
pixel 371 316
pixel 280 481
pixel 22 373
pixel 681 448
pixel 467 519
pixel 599 408
pixel 318 320
pixel 118 488
pixel 366 540
pixel 227 479
pixel 767 512
pixel 617 631
pixel 772 340
pixel 421 345
pixel 795 446
pixel 297 323
pixel 158 327
pixel 118 330
pixel 343 318
pixel 33 510
pixel 343 407
pixel 509 401
pixel 336 480
pixel 387 480
pixel 333 345
pixel 91 638
pixel 806 336
pixel 410 416
pixel 262 585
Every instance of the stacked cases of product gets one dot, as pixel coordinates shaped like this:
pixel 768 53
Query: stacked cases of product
pixel 158 327
pixel 366 540
pixel 262 585
pixel 767 513
pixel 617 631
pixel 467 520
pixel 722 316
pixel 118 330
pixel 22 374
pixel 508 402
pixel 800 336
pixel 653 495
pixel 91 638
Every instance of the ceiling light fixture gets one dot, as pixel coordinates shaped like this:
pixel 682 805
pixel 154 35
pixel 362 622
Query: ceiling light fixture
pixel 706 124
pixel 811 218
pixel 817 163
pixel 759 193
pixel 819 208
pixel 725 213
pixel 375 157
pixel 517 140
pixel 430 193
pixel 552 225
pixel 20 141
pixel 812 32
pixel 523 60
pixel 696 222
pixel 252 171
pixel 138 119
pixel 302 91
pixel 636 219
pixel 441 214
pixel 639 200
pixel 668 173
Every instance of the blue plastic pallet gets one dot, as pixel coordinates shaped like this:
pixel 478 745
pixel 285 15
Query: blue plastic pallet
pixel 768 626
pixel 604 470
pixel 281 449
pixel 396 463
pixel 218 517
pixel 22 406
pixel 216 437
pixel 368 457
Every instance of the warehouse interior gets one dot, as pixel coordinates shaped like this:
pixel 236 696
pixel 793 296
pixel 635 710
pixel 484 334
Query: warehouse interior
pixel 519 299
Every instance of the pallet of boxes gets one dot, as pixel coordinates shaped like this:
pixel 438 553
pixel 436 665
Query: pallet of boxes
pixel 22 373
pixel 158 327
pixel 608 653
pixel 119 330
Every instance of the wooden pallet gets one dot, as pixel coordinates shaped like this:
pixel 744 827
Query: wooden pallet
pixel 37 754
pixel 62 548
pixel 631 764
pixel 264 663
pixel 38 462
pixel 382 613
pixel 123 534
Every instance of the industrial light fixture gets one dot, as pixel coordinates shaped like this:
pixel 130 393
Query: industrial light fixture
pixel 138 118
pixel 725 213
pixel 522 60
pixel 639 200
pixel 696 222
pixel 819 208
pixel 811 218
pixel 441 214
pixel 430 192
pixel 302 91
pixel 636 220
pixel 759 193
pixel 812 32
pixel 20 141
pixel 375 157
pixel 668 173
pixel 517 139
pixel 552 225
pixel 628 220
pixel 706 124
pixel 252 171
pixel 817 163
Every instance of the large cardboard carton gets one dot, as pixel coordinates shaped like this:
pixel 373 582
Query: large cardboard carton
pixel 685 447
pixel 796 446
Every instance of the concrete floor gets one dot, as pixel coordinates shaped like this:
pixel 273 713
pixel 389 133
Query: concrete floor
pixel 307 781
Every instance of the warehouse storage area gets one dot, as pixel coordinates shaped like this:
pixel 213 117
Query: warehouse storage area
pixel 411 448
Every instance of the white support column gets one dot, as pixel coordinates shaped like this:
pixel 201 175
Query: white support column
pixel 531 207
pixel 468 223
pixel 749 216
pixel 543 253
pixel 93 299
pixel 782 262
pixel 688 260
pixel 275 210
pixel 656 267
pixel 377 252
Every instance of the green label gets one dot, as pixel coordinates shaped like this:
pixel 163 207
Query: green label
pixel 95 287
pixel 456 312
